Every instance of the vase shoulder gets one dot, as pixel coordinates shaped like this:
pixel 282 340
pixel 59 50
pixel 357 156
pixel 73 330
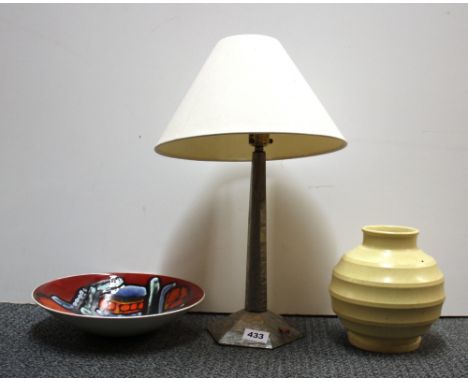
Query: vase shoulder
pixel 401 268
pixel 390 257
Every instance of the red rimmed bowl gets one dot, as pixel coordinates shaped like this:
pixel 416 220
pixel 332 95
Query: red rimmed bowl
pixel 118 304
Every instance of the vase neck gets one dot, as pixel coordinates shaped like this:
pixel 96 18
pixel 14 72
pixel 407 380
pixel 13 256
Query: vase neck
pixel 390 237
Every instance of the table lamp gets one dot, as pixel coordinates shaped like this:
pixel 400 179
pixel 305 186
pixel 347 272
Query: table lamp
pixel 249 102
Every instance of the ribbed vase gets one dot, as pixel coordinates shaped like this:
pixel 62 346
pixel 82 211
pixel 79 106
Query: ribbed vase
pixel 387 292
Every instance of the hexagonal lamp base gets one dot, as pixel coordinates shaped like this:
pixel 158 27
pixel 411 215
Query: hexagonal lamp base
pixel 230 330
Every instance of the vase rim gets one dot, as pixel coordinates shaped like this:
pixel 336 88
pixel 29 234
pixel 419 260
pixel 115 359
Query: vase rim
pixel 390 230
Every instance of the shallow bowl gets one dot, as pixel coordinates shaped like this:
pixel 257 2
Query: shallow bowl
pixel 118 304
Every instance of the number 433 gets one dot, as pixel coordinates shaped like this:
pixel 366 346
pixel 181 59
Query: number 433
pixel 255 335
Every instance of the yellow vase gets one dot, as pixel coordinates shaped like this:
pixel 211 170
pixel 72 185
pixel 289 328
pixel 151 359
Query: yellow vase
pixel 387 292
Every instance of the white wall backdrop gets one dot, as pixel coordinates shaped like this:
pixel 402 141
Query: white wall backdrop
pixel 86 91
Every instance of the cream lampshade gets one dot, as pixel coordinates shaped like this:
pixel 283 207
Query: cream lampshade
pixel 250 103
pixel 248 85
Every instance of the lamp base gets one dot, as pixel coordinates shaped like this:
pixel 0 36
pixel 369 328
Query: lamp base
pixel 265 330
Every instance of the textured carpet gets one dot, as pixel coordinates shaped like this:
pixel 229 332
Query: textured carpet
pixel 33 344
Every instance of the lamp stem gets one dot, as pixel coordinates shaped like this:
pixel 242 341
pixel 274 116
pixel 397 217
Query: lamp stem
pixel 231 330
pixel 256 280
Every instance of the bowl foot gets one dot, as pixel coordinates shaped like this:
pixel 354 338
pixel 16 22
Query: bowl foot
pixel 384 345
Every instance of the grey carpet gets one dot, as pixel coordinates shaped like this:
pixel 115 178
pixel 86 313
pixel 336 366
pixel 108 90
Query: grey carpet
pixel 33 344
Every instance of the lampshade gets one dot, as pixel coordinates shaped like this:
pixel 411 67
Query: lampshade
pixel 249 85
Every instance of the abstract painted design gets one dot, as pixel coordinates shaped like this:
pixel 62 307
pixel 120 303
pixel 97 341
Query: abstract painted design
pixel 113 297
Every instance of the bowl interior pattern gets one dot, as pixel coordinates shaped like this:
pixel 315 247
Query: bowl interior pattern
pixel 117 295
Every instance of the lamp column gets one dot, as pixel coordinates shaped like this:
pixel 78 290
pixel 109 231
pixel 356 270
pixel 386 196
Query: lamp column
pixel 256 279
pixel 255 326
